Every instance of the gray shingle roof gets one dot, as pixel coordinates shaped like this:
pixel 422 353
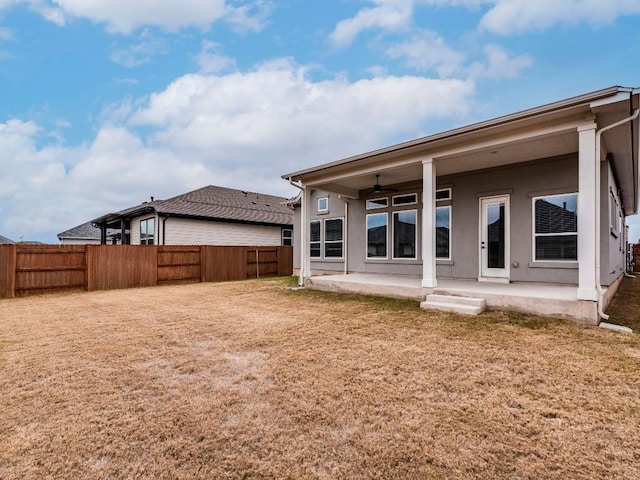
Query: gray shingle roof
pixel 216 203
pixel 5 241
pixel 84 231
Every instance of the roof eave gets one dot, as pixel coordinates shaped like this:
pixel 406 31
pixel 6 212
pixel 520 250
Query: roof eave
pixel 568 103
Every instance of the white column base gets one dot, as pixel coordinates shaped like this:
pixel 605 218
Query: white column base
pixel 429 283
pixel 590 294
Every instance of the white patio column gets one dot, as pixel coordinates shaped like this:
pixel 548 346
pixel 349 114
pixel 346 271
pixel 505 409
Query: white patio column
pixel 305 215
pixel 588 162
pixel 429 223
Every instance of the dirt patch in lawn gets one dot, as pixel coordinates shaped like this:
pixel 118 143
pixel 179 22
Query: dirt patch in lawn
pixel 254 380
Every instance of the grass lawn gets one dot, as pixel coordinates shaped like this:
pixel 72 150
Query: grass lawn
pixel 254 380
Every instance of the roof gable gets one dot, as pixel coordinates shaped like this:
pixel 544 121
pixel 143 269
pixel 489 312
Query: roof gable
pixel 6 241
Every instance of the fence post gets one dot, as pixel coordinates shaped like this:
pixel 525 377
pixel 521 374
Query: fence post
pixel 8 265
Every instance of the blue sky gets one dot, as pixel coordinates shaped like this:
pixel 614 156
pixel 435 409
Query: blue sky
pixel 108 102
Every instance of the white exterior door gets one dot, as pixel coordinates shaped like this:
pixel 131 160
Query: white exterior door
pixel 494 238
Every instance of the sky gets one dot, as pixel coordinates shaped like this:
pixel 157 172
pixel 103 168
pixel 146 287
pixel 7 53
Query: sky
pixel 105 103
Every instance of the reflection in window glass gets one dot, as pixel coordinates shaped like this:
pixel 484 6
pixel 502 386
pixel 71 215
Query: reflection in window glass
pixel 147 231
pixel 377 203
pixel 404 234
pixel 314 238
pixel 377 235
pixel 556 227
pixel 333 238
pixel 443 232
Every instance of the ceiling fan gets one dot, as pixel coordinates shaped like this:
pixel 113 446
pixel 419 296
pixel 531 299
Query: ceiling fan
pixel 377 188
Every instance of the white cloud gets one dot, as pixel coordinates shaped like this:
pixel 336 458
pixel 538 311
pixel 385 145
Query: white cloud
pixel 276 114
pixel 500 64
pixel 428 51
pixel 210 59
pixel 124 16
pixel 389 15
pixel 141 52
pixel 516 16
pixel 239 129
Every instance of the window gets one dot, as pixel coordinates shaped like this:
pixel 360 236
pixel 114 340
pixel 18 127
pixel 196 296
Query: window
pixel 377 203
pixel 333 238
pixel 443 194
pixel 377 235
pixel 327 241
pixel 556 227
pixel 404 199
pixel 613 213
pixel 287 237
pixel 147 231
pixel 314 239
pixel 323 205
pixel 404 234
pixel 443 232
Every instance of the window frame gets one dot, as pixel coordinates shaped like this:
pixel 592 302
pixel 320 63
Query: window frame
pixel 319 241
pixel 146 221
pixel 283 237
pixel 613 215
pixel 377 207
pixel 325 241
pixel 448 197
pixel 326 207
pixel 386 237
pixel 393 234
pixel 534 235
pixel 414 202
pixel 450 231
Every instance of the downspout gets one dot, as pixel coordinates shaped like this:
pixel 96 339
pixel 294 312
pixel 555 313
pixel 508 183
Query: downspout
pixel 164 229
pixel 346 231
pixel 599 133
pixel 303 220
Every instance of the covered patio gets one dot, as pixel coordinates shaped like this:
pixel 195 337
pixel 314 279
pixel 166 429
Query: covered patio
pixel 536 298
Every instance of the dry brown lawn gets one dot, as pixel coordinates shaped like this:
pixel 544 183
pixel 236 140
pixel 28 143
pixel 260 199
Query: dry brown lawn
pixel 254 380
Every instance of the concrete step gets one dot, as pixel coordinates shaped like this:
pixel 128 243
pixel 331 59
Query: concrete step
pixel 451 303
pixel 473 301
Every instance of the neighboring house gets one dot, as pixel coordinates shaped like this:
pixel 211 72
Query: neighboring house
pixel 207 216
pixel 86 234
pixel 531 199
pixel 6 241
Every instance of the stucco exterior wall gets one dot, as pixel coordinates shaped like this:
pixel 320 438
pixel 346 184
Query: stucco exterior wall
pixel 336 209
pixel 521 182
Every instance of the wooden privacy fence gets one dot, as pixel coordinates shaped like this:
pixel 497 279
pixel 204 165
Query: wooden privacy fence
pixel 635 251
pixel 29 269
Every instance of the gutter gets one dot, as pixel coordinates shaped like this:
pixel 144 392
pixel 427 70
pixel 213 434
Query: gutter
pixel 599 133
